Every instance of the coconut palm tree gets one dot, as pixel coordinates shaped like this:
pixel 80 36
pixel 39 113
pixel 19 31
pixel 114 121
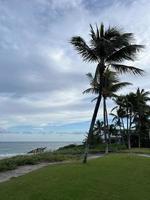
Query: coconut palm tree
pixel 118 117
pixel 124 110
pixel 117 124
pixel 135 110
pixel 106 48
pixel 141 110
pixel 110 87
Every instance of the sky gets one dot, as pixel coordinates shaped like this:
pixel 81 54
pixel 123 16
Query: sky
pixel 41 75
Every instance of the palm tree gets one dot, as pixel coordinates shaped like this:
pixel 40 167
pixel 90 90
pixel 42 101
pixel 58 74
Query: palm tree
pixel 120 112
pixel 117 124
pixel 110 87
pixel 124 111
pixel 141 110
pixel 134 108
pixel 107 48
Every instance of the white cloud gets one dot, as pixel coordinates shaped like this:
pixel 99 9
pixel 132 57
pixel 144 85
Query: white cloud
pixel 42 77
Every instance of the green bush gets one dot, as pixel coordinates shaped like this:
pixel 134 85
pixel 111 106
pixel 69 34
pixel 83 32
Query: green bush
pixel 71 149
pixel 14 162
pixel 64 153
pixel 117 147
pixel 79 149
pixel 7 164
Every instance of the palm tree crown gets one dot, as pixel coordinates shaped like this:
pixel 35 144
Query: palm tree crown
pixel 109 46
pixel 110 87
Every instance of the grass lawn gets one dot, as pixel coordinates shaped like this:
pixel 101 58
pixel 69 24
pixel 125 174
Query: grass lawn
pixel 137 150
pixel 114 177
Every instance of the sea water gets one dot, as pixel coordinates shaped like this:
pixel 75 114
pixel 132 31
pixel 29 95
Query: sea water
pixel 8 149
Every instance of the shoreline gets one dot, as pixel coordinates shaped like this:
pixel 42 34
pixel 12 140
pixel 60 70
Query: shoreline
pixel 30 145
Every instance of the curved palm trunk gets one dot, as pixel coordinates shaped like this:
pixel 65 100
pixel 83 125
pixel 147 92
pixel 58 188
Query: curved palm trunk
pixel 91 127
pixel 100 68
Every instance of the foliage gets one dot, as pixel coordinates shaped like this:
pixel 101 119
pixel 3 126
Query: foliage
pixel 98 148
pixel 133 116
pixel 14 162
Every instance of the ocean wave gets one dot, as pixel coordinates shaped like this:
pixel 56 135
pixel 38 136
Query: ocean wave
pixel 9 155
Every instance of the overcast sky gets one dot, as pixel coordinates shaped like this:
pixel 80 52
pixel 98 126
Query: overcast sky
pixel 42 77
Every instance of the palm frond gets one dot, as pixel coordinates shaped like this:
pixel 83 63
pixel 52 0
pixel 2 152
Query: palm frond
pixel 92 33
pixel 127 69
pixel 90 77
pixel 114 108
pixel 125 53
pixel 83 49
pixel 118 86
pixel 112 32
pixel 123 40
pixel 101 30
pixel 94 99
pixel 91 90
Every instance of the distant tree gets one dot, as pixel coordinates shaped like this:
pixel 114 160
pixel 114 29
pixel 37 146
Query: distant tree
pixel 134 108
pixel 141 111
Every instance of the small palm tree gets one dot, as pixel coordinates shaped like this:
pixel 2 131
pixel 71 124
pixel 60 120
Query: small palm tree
pixel 107 48
pixel 110 87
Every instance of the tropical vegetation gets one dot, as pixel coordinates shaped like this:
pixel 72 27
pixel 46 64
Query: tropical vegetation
pixel 109 49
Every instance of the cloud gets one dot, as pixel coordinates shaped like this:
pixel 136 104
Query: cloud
pixel 42 77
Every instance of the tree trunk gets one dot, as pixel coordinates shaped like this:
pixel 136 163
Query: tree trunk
pixel 129 128
pixel 139 141
pixel 139 130
pixel 100 69
pixel 109 139
pixel 123 132
pixel 105 127
pixel 91 127
pixel 129 142
pixel 128 132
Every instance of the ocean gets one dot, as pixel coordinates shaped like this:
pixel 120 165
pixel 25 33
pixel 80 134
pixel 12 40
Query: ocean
pixel 9 149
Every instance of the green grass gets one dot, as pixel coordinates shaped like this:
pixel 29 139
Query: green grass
pixel 64 153
pixel 79 149
pixel 114 177
pixel 137 150
pixel 14 162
